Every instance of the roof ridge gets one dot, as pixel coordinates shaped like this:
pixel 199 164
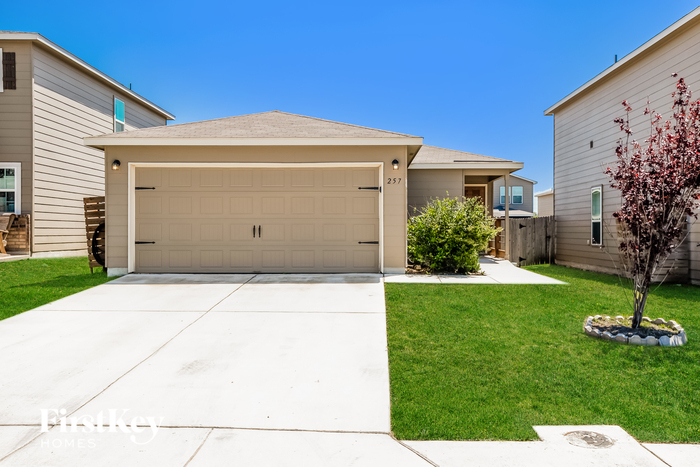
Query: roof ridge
pixel 466 152
pixel 342 123
pixel 200 121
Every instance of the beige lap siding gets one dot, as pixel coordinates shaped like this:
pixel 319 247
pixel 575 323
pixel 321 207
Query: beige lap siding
pixel 257 220
pixel 578 167
pixel 16 119
pixel 69 105
pixel 357 207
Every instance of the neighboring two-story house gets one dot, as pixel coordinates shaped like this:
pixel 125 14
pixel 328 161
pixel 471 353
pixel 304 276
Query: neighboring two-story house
pixel 585 138
pixel 49 100
pixel 520 196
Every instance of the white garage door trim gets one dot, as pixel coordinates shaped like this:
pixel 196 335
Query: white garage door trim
pixel 131 234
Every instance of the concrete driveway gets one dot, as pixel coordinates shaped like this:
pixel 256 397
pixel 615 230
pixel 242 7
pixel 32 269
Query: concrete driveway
pixel 250 369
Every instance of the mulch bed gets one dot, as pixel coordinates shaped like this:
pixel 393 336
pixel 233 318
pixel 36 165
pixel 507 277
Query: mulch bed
pixel 624 326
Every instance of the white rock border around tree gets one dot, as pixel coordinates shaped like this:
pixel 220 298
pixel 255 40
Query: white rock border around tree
pixel 665 341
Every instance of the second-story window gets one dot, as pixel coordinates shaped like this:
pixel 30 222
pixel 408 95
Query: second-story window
pixel 8 73
pixel 517 197
pixel 119 117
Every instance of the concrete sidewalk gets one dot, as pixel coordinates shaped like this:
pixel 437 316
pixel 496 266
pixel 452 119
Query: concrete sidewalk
pixel 278 370
pixel 495 271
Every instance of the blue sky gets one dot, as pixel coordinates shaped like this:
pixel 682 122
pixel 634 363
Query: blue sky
pixel 473 76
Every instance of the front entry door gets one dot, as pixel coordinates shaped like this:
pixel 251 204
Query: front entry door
pixel 475 192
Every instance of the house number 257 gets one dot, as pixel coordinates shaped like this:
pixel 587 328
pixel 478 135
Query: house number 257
pixel 393 181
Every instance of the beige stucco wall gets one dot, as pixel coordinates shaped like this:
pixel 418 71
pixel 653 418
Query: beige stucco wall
pixel 16 119
pixel 424 184
pixel 70 104
pixel 394 195
pixel 545 205
pixel 578 167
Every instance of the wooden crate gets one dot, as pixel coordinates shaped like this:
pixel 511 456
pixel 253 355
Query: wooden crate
pixel 95 222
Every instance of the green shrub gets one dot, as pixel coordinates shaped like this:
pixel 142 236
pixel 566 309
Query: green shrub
pixel 448 234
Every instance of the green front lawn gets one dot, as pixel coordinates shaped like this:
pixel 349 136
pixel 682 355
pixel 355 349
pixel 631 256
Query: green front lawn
pixel 490 361
pixel 31 283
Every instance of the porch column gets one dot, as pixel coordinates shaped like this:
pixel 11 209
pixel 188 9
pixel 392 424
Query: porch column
pixel 506 179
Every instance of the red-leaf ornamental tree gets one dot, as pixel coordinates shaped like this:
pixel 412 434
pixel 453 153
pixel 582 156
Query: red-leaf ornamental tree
pixel 660 184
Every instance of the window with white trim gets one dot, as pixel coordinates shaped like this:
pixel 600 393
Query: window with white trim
pixel 515 195
pixel 10 184
pixel 119 116
pixel 597 215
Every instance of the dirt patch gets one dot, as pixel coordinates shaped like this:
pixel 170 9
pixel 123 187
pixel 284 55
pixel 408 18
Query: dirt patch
pixel 624 326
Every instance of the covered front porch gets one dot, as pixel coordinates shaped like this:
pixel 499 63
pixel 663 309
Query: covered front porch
pixel 439 172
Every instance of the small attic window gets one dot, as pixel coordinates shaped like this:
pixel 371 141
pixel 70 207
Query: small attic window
pixel 9 74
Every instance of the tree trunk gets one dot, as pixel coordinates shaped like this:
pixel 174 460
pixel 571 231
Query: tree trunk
pixel 641 290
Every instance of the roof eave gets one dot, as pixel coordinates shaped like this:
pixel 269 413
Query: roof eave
pixel 101 142
pixel 36 37
pixel 504 165
pixel 629 58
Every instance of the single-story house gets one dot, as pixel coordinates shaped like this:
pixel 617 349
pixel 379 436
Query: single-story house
pixel 520 197
pixel 545 203
pixel 585 138
pixel 439 172
pixel 273 192
pixel 49 100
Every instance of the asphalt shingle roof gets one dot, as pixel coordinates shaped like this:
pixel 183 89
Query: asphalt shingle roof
pixel 274 124
pixel 435 155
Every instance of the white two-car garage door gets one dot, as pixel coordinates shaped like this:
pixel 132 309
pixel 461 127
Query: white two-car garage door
pixel 257 220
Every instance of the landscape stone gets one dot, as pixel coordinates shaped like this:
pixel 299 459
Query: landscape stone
pixel 597 317
pixel 621 338
pixel 648 320
pixel 659 321
pixel 665 341
pixel 671 323
pixel 650 340
pixel 607 335
pixel 636 340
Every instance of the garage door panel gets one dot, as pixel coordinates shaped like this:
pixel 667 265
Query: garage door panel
pixel 305 220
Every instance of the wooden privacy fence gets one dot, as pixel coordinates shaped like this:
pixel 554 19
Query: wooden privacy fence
pixel 532 240
pixel 95 230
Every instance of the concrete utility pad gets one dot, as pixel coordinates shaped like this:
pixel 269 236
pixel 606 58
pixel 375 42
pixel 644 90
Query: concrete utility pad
pixel 349 293
pixel 171 446
pixel 677 455
pixel 311 371
pixel 308 449
pixel 154 292
pixel 54 360
pixel 553 450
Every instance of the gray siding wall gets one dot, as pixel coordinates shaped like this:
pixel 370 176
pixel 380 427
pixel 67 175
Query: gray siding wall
pixel 588 118
pixel 424 184
pixel 16 119
pixel 69 104
pixel 528 193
